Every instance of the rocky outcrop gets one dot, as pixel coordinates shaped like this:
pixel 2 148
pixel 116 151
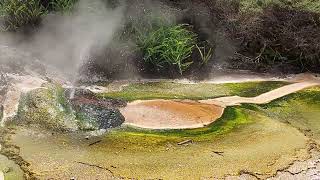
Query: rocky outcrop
pixel 46 107
pixel 94 113
pixel 95 117
pixel 31 93
pixel 49 107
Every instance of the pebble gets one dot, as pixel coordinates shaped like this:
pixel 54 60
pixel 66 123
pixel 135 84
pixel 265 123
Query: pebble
pixel 6 170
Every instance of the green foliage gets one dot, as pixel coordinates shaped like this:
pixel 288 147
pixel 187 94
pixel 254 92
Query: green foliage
pixel 205 55
pixel 63 5
pixel 15 14
pixel 168 46
pixel 19 13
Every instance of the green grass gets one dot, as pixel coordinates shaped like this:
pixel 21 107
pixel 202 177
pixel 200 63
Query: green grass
pixel 18 13
pixel 168 46
pixel 168 90
pixel 63 6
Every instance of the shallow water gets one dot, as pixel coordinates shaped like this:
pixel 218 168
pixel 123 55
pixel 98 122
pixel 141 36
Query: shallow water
pixel 165 114
pixel 262 147
pixel 249 139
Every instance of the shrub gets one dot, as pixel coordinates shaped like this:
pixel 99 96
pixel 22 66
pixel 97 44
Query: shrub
pixel 282 37
pixel 168 46
pixel 259 5
pixel 18 13
pixel 62 5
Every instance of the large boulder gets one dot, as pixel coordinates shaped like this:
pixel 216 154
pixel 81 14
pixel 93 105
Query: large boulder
pixel 96 113
pixel 95 117
pixel 46 107
pixel 52 108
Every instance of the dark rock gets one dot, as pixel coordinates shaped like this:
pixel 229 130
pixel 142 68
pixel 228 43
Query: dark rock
pixel 96 115
pixel 85 96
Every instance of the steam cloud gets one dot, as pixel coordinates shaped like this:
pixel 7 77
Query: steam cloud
pixel 64 41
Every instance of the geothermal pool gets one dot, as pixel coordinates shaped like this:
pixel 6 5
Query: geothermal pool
pixel 270 128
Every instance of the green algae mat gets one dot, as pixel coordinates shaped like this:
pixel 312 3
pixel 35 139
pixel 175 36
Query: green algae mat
pixel 254 139
pixel 172 90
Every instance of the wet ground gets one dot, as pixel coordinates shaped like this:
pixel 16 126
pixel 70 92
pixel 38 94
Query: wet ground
pixel 276 140
pixel 166 114
pixel 148 158
pixel 9 169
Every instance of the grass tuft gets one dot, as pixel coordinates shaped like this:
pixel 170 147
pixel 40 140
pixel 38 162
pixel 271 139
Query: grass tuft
pixel 168 46
pixel 18 13
pixel 63 6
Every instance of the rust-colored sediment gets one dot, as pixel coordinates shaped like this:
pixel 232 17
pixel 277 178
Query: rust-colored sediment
pixel 169 114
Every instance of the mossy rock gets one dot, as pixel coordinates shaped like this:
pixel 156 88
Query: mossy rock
pixel 95 117
pixel 46 107
pixel 95 113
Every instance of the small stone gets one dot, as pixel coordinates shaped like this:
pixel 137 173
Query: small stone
pixel 6 169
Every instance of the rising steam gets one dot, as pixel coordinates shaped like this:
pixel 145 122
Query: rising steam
pixel 64 40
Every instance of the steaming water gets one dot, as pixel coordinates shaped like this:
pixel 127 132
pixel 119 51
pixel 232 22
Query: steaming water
pixel 72 93
pixel 84 56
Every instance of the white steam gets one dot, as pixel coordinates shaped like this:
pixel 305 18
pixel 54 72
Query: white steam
pixel 64 41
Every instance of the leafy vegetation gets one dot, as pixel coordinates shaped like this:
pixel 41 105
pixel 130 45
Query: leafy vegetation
pixel 281 34
pixel 63 5
pixel 267 34
pixel 168 46
pixel 17 13
pixel 205 55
